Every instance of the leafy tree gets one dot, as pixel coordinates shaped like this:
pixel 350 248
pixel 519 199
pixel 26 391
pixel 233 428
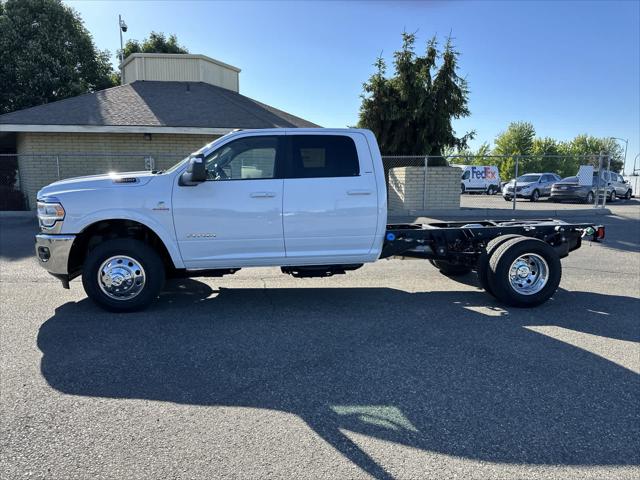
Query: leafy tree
pixel 545 157
pixel 157 42
pixel 411 111
pixel 481 156
pixel 587 148
pixel 47 55
pixel 515 141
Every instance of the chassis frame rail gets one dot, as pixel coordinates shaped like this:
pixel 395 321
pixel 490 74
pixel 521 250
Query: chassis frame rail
pixel 463 242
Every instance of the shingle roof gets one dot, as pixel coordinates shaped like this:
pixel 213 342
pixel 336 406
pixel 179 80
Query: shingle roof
pixel 161 104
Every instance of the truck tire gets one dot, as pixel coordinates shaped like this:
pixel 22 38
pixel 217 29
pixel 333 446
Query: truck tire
pixel 524 272
pixel 450 269
pixel 123 275
pixel 483 262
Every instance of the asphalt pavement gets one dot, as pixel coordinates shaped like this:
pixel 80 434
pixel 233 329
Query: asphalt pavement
pixel 391 371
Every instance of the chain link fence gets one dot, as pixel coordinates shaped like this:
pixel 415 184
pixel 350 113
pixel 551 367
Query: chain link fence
pixel 414 183
pixel 21 176
pixel 520 182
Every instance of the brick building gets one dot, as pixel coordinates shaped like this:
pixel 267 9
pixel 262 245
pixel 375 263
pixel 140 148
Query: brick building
pixel 169 106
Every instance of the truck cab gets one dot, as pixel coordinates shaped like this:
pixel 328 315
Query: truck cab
pixel 294 198
pixel 291 197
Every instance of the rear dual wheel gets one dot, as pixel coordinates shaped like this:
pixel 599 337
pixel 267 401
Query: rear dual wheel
pixel 483 262
pixel 520 271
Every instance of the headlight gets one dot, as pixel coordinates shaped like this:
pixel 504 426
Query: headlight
pixel 50 212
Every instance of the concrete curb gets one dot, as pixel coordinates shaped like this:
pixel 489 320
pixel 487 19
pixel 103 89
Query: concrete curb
pixel 497 214
pixel 17 214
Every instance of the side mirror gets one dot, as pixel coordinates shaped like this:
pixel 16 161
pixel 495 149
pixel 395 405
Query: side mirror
pixel 196 172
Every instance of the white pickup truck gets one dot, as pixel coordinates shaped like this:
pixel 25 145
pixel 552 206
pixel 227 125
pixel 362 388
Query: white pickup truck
pixel 311 201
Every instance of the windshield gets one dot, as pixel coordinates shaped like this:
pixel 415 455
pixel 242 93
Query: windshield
pixel 528 178
pixel 201 150
pixel 569 180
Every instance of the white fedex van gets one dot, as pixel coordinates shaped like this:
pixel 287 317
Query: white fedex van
pixel 479 178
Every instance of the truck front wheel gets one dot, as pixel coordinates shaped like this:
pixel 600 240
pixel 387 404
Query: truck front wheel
pixel 524 272
pixel 123 275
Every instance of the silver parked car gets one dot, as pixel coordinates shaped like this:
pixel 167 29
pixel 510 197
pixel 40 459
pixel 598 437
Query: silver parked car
pixel 531 185
pixel 619 187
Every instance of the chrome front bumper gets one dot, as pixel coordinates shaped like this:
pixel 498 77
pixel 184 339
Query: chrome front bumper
pixel 53 251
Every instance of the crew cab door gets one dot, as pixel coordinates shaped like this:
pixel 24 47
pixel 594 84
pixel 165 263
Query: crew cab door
pixel 234 218
pixel 330 207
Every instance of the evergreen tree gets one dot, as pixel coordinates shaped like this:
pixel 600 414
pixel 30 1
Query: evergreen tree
pixel 411 112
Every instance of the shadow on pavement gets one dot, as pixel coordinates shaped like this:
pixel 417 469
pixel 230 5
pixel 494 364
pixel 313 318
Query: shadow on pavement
pixel 448 372
pixel 17 238
pixel 623 233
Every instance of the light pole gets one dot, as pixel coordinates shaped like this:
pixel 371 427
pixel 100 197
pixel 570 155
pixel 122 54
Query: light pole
pixel 123 28
pixel 626 144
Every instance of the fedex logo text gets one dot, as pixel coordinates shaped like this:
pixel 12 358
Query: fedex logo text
pixel 483 172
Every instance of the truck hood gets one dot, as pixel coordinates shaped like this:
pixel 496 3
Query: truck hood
pixel 94 182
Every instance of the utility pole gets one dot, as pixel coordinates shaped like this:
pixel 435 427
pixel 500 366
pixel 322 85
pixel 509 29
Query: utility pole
pixel 626 144
pixel 122 27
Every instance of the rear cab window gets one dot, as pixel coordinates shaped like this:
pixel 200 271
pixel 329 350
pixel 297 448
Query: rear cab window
pixel 321 156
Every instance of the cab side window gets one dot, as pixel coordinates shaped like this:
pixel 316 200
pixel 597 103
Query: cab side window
pixel 248 158
pixel 318 156
pixel 465 175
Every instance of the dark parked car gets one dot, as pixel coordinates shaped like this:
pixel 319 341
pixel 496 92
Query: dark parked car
pixel 569 189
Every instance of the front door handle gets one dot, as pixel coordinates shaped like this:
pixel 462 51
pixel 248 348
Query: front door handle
pixel 358 192
pixel 263 194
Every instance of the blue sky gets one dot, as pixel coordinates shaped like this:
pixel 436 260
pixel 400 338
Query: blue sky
pixel 568 67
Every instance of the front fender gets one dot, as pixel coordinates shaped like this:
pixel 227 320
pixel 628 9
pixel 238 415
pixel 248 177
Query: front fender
pixel 161 223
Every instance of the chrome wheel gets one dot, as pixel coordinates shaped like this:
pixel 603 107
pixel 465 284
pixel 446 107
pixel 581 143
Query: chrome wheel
pixel 528 274
pixel 121 277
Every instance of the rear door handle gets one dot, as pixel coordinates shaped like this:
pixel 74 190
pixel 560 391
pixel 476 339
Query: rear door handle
pixel 263 194
pixel 358 192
